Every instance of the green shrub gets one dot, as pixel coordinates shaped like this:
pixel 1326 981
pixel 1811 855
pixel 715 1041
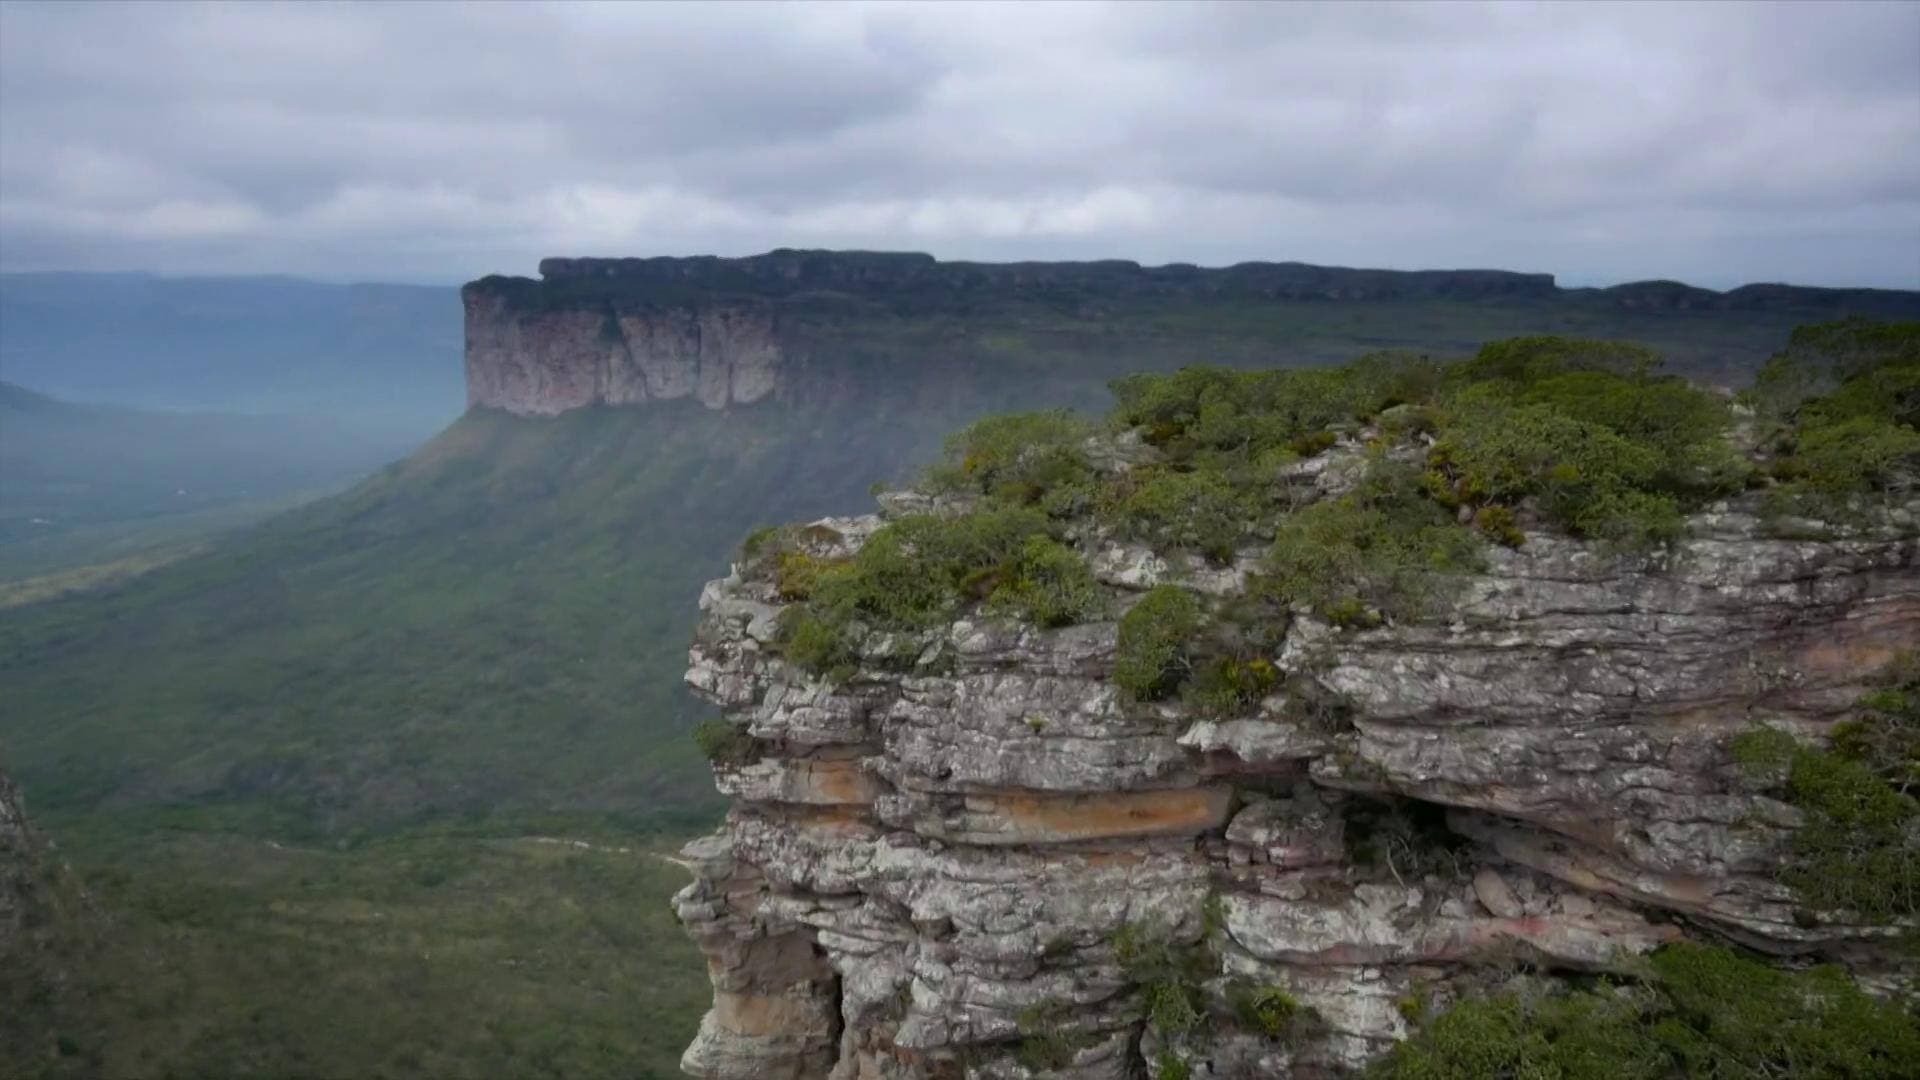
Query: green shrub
pixel 1588 477
pixel 1851 457
pixel 816 645
pixel 1180 511
pixel 1202 410
pixel 1381 550
pixel 757 541
pixel 1857 850
pixel 1707 1011
pixel 1048 584
pixel 796 573
pixel 1821 358
pixel 1269 1010
pixel 1844 399
pixel 1151 659
pixel 1524 361
pixel 1169 976
pixel 1015 459
pixel 1498 524
pixel 1228 685
pixel 918 570
pixel 723 743
pixel 921 570
pixel 1168 1065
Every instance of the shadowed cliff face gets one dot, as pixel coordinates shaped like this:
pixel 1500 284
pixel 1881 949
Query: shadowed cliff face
pixel 547 361
pixel 808 323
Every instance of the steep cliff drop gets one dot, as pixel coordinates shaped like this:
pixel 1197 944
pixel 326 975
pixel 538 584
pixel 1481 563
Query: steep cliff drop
pixel 966 850
pixel 45 936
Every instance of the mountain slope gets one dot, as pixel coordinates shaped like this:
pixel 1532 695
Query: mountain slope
pixel 480 630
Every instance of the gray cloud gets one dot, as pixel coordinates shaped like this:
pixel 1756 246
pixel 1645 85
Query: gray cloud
pixel 1719 143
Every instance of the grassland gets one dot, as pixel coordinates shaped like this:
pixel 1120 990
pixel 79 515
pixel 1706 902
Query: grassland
pixel 427 954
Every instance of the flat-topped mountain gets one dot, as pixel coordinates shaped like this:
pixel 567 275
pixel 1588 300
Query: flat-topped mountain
pixel 803 323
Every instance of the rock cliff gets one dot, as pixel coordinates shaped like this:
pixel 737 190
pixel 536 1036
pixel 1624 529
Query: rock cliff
pixel 738 331
pixel 948 858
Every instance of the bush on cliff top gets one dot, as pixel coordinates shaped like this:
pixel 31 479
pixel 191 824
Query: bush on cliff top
pixel 922 570
pixel 1586 432
pixel 1380 551
pixel 1705 1012
pixel 1842 406
pixel 1016 459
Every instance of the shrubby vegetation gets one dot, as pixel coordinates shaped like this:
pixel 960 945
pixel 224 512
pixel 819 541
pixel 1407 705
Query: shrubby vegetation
pixel 1152 659
pixel 1377 552
pixel 1858 850
pixel 1588 432
pixel 1841 409
pixel 1170 977
pixel 1705 1011
pixel 1017 459
pixel 920 570
pixel 1271 1011
pixel 724 743
pixel 1203 512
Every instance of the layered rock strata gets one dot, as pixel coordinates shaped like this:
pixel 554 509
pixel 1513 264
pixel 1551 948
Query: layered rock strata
pixel 930 866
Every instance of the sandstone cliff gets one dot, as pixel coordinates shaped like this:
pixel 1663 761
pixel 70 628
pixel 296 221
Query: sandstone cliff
pixel 738 331
pixel 942 860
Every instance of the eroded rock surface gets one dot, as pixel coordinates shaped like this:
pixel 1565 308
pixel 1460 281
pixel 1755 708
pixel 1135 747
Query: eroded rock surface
pixel 930 866
pixel 546 360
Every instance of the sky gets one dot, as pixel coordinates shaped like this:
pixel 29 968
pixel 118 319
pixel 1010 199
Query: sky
pixel 1713 143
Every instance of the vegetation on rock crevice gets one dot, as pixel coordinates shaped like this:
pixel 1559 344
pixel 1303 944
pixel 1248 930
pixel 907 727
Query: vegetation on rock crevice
pixel 1859 849
pixel 1703 1011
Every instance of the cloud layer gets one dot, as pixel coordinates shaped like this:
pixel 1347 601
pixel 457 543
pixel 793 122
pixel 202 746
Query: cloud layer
pixel 1717 143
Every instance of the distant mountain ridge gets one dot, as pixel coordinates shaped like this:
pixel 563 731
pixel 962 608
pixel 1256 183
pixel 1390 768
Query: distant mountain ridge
pixel 785 272
pixel 792 324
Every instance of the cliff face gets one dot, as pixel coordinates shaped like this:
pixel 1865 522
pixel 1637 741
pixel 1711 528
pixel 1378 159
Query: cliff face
pixel 738 331
pixel 932 869
pixel 545 361
pixel 46 926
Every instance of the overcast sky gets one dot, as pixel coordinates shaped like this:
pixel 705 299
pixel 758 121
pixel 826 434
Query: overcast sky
pixel 1715 143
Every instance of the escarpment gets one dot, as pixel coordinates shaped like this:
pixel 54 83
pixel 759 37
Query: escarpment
pixel 1049 768
pixel 547 361
pixel 798 324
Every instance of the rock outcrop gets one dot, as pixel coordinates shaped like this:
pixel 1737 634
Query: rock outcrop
pixel 935 868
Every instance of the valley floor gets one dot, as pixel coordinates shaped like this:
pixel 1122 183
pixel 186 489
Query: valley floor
pixel 422 953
